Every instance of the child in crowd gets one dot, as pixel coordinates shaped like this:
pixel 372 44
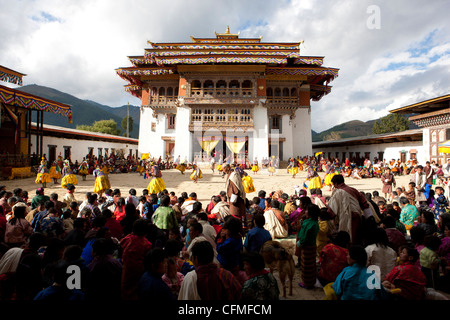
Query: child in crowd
pixel 172 277
pixel 429 260
pixel 406 276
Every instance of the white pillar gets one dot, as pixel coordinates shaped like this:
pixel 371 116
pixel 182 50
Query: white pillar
pixel 183 137
pixel 301 132
pixel 260 139
pixel 286 132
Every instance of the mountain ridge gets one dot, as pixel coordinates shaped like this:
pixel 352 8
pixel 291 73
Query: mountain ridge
pixel 85 112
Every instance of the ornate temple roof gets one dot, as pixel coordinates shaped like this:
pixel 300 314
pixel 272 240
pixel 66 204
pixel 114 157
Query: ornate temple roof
pixel 280 58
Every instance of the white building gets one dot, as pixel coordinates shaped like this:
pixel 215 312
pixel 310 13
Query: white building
pixel 226 96
pixel 404 145
pixel 76 144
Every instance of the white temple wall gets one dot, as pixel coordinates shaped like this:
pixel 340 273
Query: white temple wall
pixel 149 140
pixel 301 133
pixel 79 148
pixel 391 150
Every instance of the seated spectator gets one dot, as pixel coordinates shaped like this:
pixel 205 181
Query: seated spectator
pixel 379 253
pixel 257 236
pixel 151 287
pixel 333 258
pixel 59 291
pixel 351 283
pixel 406 276
pixel 208 281
pixel 261 284
pixel 427 222
pixel 134 247
pixel 17 228
pixel 395 237
pixel 104 273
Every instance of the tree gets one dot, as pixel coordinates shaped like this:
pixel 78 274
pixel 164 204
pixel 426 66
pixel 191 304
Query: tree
pixel 127 122
pixel 393 122
pixel 103 126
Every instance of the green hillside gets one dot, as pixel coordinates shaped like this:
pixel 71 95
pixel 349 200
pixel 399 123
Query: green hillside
pixel 84 111
pixel 354 128
pixel 350 129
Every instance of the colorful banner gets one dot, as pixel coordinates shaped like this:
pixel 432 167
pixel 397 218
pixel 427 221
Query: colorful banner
pixel 7 77
pixel 444 147
pixel 235 144
pixel 28 101
pixel 221 45
pixel 303 71
pixel 208 145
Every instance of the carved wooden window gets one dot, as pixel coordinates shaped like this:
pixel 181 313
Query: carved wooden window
pixel 171 121
pixel 275 123
pixel 433 136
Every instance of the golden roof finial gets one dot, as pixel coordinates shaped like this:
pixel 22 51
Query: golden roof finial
pixel 228 30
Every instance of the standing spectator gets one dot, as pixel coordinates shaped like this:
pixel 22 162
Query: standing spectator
pixel 307 244
pixel 388 180
pixel 429 174
pixel 440 202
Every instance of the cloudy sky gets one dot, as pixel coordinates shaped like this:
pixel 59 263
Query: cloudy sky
pixel 390 53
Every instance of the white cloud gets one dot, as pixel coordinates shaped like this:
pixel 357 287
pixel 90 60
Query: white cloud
pixel 74 46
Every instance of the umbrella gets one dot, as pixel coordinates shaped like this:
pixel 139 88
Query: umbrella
pixel 444 147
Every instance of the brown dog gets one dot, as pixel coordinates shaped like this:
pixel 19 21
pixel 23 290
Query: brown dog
pixel 277 256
